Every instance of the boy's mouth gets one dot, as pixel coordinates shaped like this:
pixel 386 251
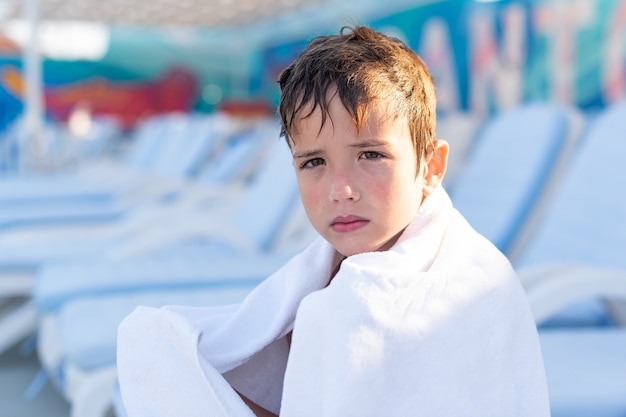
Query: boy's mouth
pixel 350 223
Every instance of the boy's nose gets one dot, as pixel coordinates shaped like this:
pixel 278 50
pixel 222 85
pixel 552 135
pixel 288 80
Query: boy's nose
pixel 342 188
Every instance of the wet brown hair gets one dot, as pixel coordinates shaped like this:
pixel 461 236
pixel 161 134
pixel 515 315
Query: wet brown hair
pixel 364 65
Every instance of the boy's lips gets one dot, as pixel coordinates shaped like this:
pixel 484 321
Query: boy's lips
pixel 347 223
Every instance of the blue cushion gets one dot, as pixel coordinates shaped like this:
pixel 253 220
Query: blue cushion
pixel 586 371
pixel 506 170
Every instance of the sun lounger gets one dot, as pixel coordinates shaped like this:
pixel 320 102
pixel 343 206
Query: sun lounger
pixel 511 169
pixel 63 148
pixel 554 122
pixel 97 179
pixel 159 280
pixel 574 262
pixel 106 192
pixel 148 231
pixel 460 130
pixel 268 219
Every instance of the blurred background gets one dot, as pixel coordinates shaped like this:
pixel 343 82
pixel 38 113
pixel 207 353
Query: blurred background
pixel 138 132
pixel 102 60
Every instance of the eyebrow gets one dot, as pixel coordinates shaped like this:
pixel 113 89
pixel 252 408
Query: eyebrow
pixel 358 145
pixel 307 154
pixel 370 143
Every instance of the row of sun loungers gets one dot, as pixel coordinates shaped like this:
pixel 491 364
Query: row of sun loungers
pixel 200 209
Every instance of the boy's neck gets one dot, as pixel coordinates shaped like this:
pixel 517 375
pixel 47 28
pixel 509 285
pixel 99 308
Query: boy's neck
pixel 336 264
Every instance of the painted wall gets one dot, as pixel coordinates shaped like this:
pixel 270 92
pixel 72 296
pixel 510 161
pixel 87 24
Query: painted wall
pixel 486 56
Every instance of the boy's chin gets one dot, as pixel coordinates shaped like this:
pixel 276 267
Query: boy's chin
pixel 347 250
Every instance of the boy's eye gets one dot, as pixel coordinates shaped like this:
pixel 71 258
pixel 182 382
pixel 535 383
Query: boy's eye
pixel 312 163
pixel 371 155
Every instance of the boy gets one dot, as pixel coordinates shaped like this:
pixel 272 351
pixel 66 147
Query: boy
pixel 399 309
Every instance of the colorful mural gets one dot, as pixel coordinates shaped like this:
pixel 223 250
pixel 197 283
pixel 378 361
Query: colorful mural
pixel 125 100
pixel 486 56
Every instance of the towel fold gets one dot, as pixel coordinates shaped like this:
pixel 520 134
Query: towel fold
pixel 436 326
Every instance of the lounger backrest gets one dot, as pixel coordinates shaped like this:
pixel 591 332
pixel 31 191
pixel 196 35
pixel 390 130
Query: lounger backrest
pixel 9 148
pixel 145 142
pixel 239 155
pixel 187 142
pixel 272 195
pixel 586 222
pixel 459 129
pixel 207 133
pixel 516 157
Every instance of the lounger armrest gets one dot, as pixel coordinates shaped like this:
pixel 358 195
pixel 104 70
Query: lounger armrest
pixel 57 284
pixel 552 288
pixel 192 225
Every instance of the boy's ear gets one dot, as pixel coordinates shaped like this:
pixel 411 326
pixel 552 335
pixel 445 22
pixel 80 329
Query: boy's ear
pixel 436 164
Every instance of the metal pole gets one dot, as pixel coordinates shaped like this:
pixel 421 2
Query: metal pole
pixel 33 97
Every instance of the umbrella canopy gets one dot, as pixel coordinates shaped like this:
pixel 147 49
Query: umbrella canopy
pixel 205 13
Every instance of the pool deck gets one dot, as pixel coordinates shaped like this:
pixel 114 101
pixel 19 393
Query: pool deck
pixel 17 372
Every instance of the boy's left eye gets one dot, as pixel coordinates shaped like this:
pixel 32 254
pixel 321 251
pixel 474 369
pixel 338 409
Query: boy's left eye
pixel 371 155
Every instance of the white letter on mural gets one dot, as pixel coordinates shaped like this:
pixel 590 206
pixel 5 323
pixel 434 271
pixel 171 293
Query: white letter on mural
pixel 561 21
pixel 436 50
pixel 614 65
pixel 496 77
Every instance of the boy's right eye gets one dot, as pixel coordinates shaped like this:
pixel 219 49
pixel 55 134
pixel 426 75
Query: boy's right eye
pixel 312 163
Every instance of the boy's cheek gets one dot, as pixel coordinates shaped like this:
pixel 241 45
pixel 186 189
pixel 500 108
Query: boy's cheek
pixel 313 206
pixel 311 189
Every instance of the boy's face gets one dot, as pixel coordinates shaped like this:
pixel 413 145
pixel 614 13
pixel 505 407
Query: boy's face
pixel 361 188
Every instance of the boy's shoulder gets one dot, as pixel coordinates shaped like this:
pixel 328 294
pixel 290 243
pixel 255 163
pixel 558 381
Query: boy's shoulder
pixel 453 251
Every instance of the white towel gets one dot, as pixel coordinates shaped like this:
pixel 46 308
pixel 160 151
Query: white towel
pixel 436 326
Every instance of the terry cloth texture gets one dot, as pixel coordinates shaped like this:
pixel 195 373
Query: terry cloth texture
pixel 436 326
